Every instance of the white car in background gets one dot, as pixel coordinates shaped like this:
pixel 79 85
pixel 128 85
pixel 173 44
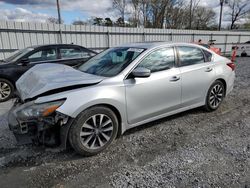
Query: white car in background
pixel 242 49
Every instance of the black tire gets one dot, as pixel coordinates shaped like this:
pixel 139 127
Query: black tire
pixel 77 128
pixel 219 96
pixel 11 88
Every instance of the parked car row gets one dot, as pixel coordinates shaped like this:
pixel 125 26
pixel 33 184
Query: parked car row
pixel 13 67
pixel 123 87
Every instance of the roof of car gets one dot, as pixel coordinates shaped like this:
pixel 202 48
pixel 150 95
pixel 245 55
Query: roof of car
pixel 51 45
pixel 148 45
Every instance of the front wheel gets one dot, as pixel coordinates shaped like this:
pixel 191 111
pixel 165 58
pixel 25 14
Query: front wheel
pixel 93 130
pixel 215 96
pixel 6 90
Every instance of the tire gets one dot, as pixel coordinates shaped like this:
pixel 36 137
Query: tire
pixel 215 96
pixel 88 139
pixel 6 90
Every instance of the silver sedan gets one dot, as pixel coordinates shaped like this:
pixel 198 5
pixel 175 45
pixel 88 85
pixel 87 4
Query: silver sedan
pixel 120 88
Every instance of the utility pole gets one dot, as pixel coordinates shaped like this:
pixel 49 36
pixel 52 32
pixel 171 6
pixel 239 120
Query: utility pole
pixel 59 20
pixel 58 11
pixel 221 9
pixel 190 14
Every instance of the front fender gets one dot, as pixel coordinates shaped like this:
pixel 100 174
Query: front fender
pixel 80 99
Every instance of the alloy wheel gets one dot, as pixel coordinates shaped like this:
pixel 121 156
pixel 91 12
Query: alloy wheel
pixel 5 90
pixel 96 131
pixel 216 96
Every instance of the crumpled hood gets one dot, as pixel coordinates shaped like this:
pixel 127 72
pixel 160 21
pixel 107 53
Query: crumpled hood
pixel 47 77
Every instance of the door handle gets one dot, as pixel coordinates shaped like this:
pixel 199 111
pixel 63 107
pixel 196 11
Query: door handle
pixel 174 78
pixel 208 69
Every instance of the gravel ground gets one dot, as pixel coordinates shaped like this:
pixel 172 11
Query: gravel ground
pixel 191 149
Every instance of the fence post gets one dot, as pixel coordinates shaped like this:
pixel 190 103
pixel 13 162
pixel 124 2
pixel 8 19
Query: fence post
pixel 225 47
pixel 193 37
pixel 143 37
pixel 239 38
pixel 211 36
pixel 108 39
pixel 171 36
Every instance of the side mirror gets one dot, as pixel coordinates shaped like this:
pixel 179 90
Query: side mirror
pixel 141 72
pixel 25 61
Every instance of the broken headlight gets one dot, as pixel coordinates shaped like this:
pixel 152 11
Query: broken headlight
pixel 33 110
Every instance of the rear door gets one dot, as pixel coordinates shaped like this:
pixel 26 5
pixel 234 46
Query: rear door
pixel 74 55
pixel 197 73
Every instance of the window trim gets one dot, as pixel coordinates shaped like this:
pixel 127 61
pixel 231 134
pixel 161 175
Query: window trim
pixel 178 55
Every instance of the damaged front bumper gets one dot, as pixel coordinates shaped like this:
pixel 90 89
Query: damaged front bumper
pixel 51 130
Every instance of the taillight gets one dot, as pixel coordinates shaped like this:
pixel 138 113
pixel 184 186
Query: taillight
pixel 231 65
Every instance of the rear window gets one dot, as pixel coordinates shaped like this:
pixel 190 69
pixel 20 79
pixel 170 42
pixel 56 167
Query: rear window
pixel 208 56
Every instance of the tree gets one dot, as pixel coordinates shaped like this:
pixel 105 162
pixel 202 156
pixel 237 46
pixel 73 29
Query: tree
pixel 238 10
pixel 120 6
pixel 192 8
pixel 108 22
pixel 136 6
pixel 54 20
pixel 98 21
pixel 203 17
pixel 120 22
pixel 247 24
pixel 79 22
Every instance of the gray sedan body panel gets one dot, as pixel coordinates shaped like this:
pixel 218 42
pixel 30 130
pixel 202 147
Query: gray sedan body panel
pixel 141 100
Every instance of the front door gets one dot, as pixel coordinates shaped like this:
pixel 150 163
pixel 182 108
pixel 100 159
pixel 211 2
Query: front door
pixel 158 94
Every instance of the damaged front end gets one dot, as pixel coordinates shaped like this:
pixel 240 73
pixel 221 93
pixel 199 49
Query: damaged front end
pixel 38 123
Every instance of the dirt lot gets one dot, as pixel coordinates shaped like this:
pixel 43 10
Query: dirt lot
pixel 191 149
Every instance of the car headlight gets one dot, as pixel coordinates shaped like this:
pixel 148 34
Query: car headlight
pixel 32 110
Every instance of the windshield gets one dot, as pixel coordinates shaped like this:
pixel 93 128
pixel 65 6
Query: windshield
pixel 17 54
pixel 111 62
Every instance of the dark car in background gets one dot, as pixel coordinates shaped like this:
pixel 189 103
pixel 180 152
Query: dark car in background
pixel 12 68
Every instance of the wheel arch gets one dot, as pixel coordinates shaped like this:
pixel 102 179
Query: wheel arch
pixel 9 79
pixel 64 131
pixel 224 83
pixel 117 113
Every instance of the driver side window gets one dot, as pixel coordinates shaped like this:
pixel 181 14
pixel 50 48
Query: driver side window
pixel 161 59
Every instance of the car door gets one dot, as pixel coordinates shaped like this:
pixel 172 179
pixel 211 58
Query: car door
pixel 197 73
pixel 73 56
pixel 160 93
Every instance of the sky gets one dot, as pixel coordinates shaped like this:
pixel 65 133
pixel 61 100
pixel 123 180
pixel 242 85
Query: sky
pixel 71 10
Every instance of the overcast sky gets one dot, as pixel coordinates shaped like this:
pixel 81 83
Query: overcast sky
pixel 40 10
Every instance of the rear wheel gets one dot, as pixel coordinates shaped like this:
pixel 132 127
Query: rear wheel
pixel 93 130
pixel 6 90
pixel 215 96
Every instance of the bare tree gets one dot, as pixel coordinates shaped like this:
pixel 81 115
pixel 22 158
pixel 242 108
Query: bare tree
pixel 192 8
pixel 79 22
pixel 120 6
pixel 53 20
pixel 203 17
pixel 136 6
pixel 238 10
pixel 145 9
